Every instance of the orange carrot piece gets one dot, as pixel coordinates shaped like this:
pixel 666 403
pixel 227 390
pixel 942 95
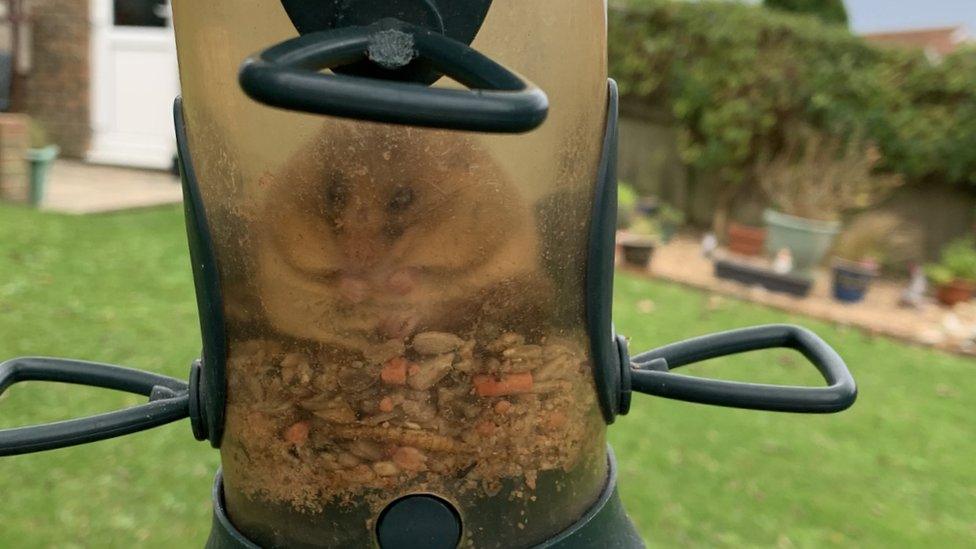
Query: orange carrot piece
pixel 297 433
pixel 386 405
pixel 484 385
pixel 395 371
pixel 509 384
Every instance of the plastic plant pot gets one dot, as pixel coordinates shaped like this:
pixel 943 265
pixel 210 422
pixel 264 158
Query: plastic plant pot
pixel 851 280
pixel 638 252
pixel 751 275
pixel 40 161
pixel 746 239
pixel 807 239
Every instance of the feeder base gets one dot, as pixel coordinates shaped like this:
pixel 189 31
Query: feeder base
pixel 605 525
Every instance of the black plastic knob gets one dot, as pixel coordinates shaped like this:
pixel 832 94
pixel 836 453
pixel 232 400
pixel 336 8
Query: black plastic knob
pixel 419 522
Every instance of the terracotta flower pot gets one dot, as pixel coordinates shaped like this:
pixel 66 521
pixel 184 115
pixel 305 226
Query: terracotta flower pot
pixel 745 239
pixel 957 291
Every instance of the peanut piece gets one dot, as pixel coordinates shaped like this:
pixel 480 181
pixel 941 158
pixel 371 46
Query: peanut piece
pixel 410 459
pixel 378 354
pixel 385 468
pixel 436 343
pixel 430 371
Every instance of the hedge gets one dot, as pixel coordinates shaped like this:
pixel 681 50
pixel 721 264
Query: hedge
pixel 734 76
pixel 831 11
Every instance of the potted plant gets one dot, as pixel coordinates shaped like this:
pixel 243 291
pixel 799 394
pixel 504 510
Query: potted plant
pixel 871 240
pixel 954 275
pixel 670 220
pixel 41 156
pixel 811 181
pixel 851 279
pixel 639 241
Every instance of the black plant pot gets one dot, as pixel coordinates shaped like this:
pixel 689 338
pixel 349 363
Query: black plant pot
pixel 751 275
pixel 638 253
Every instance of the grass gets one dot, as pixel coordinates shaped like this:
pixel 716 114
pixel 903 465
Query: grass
pixel 897 470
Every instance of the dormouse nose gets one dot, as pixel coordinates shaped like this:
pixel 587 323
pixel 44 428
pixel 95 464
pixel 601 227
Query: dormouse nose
pixel 361 237
pixel 362 242
pixel 361 249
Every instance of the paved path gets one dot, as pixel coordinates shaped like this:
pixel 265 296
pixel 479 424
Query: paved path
pixel 78 188
pixel 949 329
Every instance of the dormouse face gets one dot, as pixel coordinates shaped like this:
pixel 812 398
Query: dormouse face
pixel 381 203
pixel 382 207
pixel 368 219
pixel 375 231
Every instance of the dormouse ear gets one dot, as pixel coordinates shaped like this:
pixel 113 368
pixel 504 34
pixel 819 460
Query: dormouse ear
pixel 459 155
pixel 335 140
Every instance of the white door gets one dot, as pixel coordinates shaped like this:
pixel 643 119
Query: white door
pixel 134 81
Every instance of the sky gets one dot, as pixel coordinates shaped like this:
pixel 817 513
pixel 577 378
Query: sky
pixel 878 15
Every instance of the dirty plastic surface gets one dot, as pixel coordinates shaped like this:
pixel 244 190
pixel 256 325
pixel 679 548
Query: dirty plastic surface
pixel 404 306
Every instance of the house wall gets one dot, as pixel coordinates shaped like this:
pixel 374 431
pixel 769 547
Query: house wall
pixel 56 90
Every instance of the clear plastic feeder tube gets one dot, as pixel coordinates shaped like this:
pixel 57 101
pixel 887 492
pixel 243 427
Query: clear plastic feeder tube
pixel 404 306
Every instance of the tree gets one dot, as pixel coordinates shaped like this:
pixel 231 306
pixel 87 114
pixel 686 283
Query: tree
pixel 830 11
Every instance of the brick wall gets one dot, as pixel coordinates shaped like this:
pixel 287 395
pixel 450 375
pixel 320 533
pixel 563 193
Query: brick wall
pixel 13 151
pixel 56 91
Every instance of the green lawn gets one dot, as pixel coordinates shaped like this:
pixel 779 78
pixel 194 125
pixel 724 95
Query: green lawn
pixel 897 470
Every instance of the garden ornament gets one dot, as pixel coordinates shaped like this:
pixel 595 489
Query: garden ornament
pixel 914 296
pixel 709 244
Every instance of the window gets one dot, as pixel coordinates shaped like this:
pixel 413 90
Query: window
pixel 141 13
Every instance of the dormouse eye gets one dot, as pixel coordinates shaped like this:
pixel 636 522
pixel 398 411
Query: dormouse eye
pixel 402 199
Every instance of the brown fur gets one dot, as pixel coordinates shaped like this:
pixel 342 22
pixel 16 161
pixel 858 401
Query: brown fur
pixel 376 232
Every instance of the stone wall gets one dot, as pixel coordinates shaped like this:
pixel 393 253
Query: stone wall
pixel 56 90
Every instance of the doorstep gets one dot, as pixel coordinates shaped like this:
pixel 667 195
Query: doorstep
pixel 78 188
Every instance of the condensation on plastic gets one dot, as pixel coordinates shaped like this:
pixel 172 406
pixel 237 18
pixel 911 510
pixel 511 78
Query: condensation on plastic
pixel 340 242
